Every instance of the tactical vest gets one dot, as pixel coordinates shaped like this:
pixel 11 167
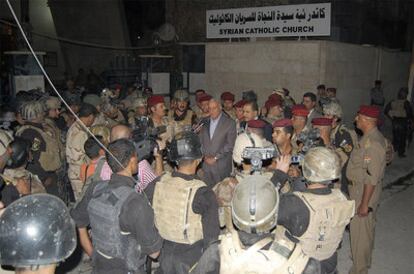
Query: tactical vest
pixel 50 158
pixel 173 209
pixel 283 257
pixel 398 109
pixel 179 126
pixel 329 215
pixel 108 240
pixel 51 127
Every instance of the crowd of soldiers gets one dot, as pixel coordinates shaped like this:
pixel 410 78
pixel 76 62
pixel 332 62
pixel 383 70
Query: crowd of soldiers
pixel 298 177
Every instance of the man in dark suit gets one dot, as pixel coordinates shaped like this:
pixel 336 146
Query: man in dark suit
pixel 251 112
pixel 217 139
pixel 309 101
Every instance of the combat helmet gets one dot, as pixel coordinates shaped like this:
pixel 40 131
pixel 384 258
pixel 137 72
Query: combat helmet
pixel 255 205
pixel 36 230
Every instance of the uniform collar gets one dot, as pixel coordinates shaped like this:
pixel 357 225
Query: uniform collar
pixel 34 124
pixel 180 117
pixel 369 133
pixel 319 191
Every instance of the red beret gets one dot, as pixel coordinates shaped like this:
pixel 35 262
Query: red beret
pixel 321 121
pixel 199 94
pixel 155 99
pixel 300 110
pixel 272 103
pixel 370 111
pixel 275 96
pixel 240 104
pixel 282 123
pixel 256 123
pixel 204 97
pixel 227 96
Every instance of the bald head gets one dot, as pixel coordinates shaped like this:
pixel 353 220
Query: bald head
pixel 120 132
pixel 214 108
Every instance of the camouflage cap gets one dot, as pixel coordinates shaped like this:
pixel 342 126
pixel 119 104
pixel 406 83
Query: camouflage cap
pixel 53 103
pixel 181 95
pixel 139 102
pixel 32 110
pixel 92 99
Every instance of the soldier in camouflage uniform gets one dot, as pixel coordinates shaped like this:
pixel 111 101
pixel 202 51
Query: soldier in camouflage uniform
pixel 342 138
pixel 157 117
pixel 75 153
pixel 274 110
pixel 183 117
pixel 138 109
pixel 19 181
pixel 44 146
pixel 227 100
pixel 53 107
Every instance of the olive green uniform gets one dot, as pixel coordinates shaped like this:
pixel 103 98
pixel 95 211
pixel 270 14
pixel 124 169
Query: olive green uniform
pixel 365 167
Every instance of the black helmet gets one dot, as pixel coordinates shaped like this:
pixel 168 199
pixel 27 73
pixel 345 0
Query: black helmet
pixel 19 152
pixel 186 145
pixel 36 230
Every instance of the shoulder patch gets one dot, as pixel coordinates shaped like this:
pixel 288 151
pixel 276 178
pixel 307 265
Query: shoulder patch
pixel 36 144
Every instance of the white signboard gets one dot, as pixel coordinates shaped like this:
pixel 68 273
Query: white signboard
pixel 28 82
pixel 276 21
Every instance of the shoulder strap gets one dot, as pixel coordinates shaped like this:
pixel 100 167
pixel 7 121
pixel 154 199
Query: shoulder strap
pixel 98 169
pixel 259 245
pixel 100 188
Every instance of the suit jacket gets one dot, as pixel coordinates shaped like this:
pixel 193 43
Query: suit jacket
pixel 219 145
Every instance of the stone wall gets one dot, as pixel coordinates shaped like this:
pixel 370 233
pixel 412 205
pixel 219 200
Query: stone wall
pixel 301 65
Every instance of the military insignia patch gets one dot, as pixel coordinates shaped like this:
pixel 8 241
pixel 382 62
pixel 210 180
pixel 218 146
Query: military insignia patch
pixel 36 144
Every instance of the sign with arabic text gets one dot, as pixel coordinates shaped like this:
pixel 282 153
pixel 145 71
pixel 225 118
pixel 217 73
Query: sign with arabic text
pixel 276 21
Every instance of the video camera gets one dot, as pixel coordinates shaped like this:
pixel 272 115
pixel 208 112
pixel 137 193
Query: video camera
pixel 258 154
pixel 145 137
pixel 309 139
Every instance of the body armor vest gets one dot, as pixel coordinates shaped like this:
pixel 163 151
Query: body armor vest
pixel 329 215
pixel 179 126
pixel 173 211
pixel 51 127
pixel 108 239
pixel 398 109
pixel 283 257
pixel 50 158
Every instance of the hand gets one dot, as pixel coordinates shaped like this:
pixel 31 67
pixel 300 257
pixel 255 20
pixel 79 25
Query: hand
pixel 294 171
pixel 210 160
pixel 23 186
pixel 161 145
pixel 157 149
pixel 362 210
pixel 283 163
